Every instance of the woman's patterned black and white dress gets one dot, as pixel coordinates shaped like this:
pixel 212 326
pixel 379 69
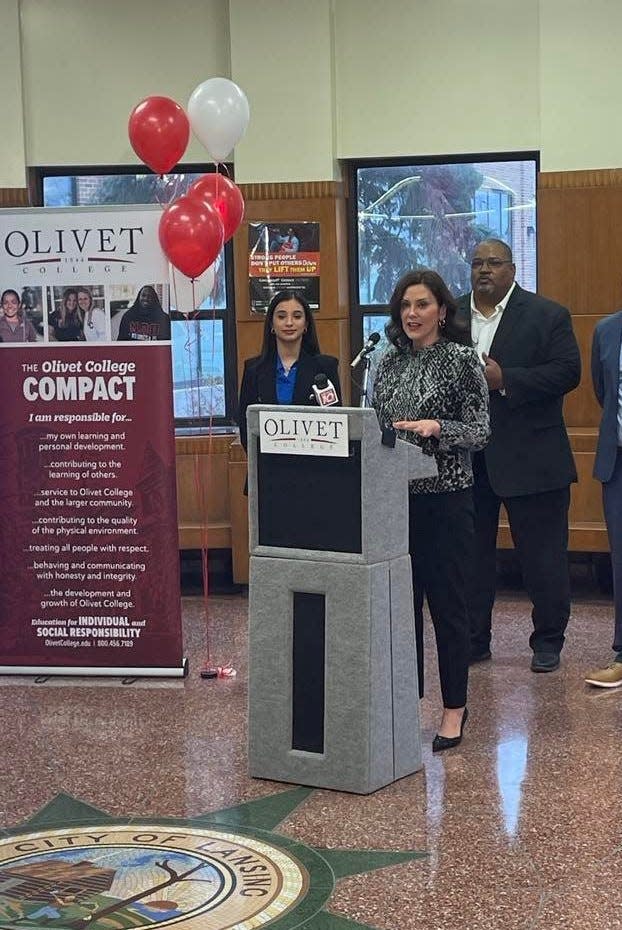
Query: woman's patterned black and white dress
pixel 441 382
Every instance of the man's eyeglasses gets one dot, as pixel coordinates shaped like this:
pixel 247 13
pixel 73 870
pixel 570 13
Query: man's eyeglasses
pixel 491 262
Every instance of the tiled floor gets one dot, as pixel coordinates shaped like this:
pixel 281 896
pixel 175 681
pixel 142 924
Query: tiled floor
pixel 522 824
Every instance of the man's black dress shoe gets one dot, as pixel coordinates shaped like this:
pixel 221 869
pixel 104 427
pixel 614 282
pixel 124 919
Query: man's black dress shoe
pixel 545 661
pixel 440 743
pixel 480 656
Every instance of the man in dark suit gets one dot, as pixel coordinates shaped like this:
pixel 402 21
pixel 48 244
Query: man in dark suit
pixel 606 363
pixel 531 360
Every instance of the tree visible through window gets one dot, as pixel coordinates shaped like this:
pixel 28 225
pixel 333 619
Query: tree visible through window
pixel 424 213
pixel 434 215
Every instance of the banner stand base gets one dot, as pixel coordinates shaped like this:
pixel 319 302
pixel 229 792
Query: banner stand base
pixel 40 671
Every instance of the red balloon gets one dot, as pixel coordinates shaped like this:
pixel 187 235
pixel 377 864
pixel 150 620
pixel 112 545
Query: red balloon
pixel 191 235
pixel 223 194
pixel 159 131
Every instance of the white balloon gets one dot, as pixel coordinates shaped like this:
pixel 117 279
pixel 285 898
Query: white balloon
pixel 218 113
pixel 182 293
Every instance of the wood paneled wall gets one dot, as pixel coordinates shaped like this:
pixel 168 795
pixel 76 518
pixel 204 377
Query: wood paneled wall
pixel 203 506
pixel 322 202
pixel 14 197
pixel 212 510
pixel 580 265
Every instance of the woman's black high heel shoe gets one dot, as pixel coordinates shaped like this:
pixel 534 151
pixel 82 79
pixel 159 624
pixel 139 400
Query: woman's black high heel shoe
pixel 440 743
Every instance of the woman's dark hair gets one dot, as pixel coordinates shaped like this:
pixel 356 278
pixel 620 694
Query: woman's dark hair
pixel 310 342
pixel 10 290
pixel 67 294
pixel 454 330
pixel 154 300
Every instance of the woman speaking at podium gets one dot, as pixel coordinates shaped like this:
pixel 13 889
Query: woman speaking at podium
pixel 290 359
pixel 429 386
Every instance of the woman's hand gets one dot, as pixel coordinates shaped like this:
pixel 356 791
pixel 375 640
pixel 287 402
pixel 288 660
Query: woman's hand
pixel 423 428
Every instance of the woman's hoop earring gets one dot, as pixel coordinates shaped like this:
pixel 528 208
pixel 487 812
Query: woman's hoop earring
pixel 442 322
pixel 272 330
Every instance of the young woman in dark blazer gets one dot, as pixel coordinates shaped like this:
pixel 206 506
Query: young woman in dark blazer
pixel 290 359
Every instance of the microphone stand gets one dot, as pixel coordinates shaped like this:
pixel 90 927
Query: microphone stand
pixel 364 399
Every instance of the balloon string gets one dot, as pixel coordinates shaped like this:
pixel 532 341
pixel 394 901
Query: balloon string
pixel 203 472
pixel 210 459
pixel 217 181
pixel 210 453
pixel 202 488
pixel 175 298
pixel 192 381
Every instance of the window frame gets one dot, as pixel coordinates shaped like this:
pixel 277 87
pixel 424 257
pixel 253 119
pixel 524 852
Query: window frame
pixel 36 176
pixel 351 166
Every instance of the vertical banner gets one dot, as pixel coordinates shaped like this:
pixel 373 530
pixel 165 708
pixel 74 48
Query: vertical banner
pixel 88 519
pixel 283 256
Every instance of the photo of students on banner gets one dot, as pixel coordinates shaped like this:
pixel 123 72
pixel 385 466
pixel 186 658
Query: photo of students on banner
pixel 283 256
pixel 146 320
pixel 65 321
pixel 92 306
pixel 16 324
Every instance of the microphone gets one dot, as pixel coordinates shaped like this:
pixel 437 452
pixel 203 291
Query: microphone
pixel 368 348
pixel 324 391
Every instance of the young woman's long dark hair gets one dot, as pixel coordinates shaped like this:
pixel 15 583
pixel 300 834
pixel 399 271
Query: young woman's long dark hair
pixel 309 343
pixel 454 330
pixel 75 315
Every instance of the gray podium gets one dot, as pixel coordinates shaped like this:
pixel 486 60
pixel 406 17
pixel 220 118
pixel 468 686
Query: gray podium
pixel 333 696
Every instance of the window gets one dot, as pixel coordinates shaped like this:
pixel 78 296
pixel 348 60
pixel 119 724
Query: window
pixel 204 386
pixel 492 210
pixel 432 213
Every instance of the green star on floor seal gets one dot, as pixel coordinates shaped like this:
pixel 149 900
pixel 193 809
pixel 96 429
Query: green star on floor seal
pixel 74 867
